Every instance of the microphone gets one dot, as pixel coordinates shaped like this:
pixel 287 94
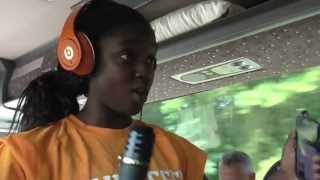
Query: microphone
pixel 136 158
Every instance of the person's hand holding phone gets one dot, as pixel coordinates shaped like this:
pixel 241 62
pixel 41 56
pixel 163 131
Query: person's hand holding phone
pixel 316 167
pixel 288 162
pixel 287 167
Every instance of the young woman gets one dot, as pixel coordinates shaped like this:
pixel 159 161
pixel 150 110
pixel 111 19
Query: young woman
pixel 58 142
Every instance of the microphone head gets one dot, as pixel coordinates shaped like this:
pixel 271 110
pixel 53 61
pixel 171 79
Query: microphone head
pixel 140 145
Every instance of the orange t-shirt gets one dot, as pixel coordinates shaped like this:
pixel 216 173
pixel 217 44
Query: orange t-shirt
pixel 73 150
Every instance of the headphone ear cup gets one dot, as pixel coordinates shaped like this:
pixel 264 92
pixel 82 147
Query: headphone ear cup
pixel 87 60
pixel 75 51
pixel 69 53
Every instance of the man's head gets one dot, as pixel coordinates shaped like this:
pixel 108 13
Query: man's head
pixel 236 165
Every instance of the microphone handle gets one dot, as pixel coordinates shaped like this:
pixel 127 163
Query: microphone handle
pixel 133 172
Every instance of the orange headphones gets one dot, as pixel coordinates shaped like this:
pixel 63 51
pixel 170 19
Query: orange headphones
pixel 75 51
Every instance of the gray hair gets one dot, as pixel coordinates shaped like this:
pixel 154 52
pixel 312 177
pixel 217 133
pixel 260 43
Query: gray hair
pixel 238 157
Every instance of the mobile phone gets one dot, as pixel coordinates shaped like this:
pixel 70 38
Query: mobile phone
pixel 308 144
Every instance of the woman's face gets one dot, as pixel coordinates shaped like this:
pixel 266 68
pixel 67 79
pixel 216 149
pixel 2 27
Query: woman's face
pixel 126 69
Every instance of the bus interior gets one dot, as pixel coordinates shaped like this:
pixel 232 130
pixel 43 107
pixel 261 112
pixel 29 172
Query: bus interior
pixel 234 81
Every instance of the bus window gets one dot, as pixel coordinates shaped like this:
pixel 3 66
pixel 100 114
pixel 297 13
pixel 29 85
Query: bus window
pixel 252 117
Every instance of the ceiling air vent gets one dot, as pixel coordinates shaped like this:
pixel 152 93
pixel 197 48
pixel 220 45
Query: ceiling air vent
pixel 218 71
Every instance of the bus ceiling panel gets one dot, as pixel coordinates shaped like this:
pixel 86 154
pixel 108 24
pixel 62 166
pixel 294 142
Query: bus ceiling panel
pixel 281 51
pixel 259 19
